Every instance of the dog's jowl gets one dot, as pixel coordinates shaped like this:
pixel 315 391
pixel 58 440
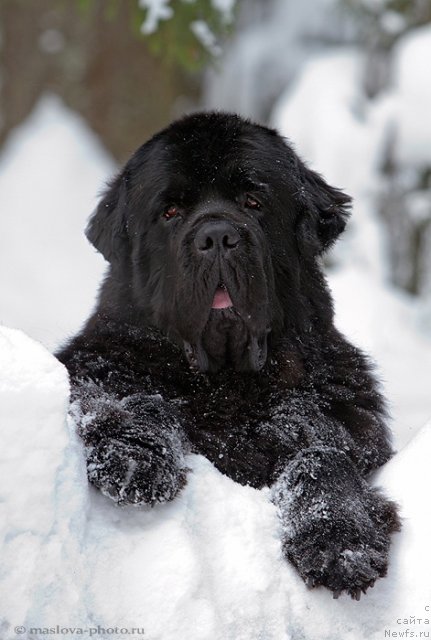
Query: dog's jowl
pixel 214 334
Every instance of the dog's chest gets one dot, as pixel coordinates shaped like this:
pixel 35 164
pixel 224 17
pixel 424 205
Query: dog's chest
pixel 225 418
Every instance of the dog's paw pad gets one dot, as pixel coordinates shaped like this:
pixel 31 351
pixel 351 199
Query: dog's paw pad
pixel 348 571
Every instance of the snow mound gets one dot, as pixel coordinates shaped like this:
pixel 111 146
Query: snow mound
pixel 50 171
pixel 207 566
pixel 411 98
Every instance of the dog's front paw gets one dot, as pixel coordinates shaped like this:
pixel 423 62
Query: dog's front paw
pixel 346 547
pixel 351 569
pixel 336 528
pixel 133 474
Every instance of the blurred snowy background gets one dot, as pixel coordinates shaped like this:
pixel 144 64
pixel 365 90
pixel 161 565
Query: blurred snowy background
pixel 82 84
pixel 347 81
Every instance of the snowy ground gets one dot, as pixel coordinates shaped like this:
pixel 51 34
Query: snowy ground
pixel 50 173
pixel 208 565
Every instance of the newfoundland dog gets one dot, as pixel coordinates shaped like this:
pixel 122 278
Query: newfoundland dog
pixel 214 334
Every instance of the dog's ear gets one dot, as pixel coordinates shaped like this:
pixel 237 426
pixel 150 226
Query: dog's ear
pixel 107 230
pixel 325 210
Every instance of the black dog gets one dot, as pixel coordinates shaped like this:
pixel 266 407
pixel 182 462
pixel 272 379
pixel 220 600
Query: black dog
pixel 214 334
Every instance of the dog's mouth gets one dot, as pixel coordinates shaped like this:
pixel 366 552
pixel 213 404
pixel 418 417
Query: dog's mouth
pixel 227 340
pixel 222 299
pixel 227 326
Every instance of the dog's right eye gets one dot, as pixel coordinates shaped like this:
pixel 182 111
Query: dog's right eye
pixel 171 212
pixel 251 202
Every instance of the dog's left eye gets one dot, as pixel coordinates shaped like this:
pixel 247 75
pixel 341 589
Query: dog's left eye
pixel 171 212
pixel 251 202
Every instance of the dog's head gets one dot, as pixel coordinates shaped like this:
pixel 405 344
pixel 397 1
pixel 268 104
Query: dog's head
pixel 213 230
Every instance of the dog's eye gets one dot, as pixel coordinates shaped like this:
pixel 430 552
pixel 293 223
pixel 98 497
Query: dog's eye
pixel 171 212
pixel 251 202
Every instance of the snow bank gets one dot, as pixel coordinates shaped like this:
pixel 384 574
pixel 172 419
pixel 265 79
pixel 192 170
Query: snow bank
pixel 207 566
pixel 50 171
pixel 411 98
pixel 43 490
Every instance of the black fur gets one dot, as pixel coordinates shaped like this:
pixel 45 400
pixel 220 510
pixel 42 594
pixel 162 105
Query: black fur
pixel 266 388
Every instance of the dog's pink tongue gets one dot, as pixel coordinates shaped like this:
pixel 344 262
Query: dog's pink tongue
pixel 221 299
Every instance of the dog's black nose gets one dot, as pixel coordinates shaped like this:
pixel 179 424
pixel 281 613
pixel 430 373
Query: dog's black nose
pixel 216 235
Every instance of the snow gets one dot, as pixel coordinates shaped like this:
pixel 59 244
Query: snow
pixel 205 36
pixel 392 22
pixel 406 479
pixel 388 330
pixel 51 170
pixel 339 113
pixel 226 8
pixel 270 42
pixel 39 464
pixel 156 10
pixel 206 566
pixel 411 97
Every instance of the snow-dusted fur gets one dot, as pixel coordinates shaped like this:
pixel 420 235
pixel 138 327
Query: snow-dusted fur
pixel 265 388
